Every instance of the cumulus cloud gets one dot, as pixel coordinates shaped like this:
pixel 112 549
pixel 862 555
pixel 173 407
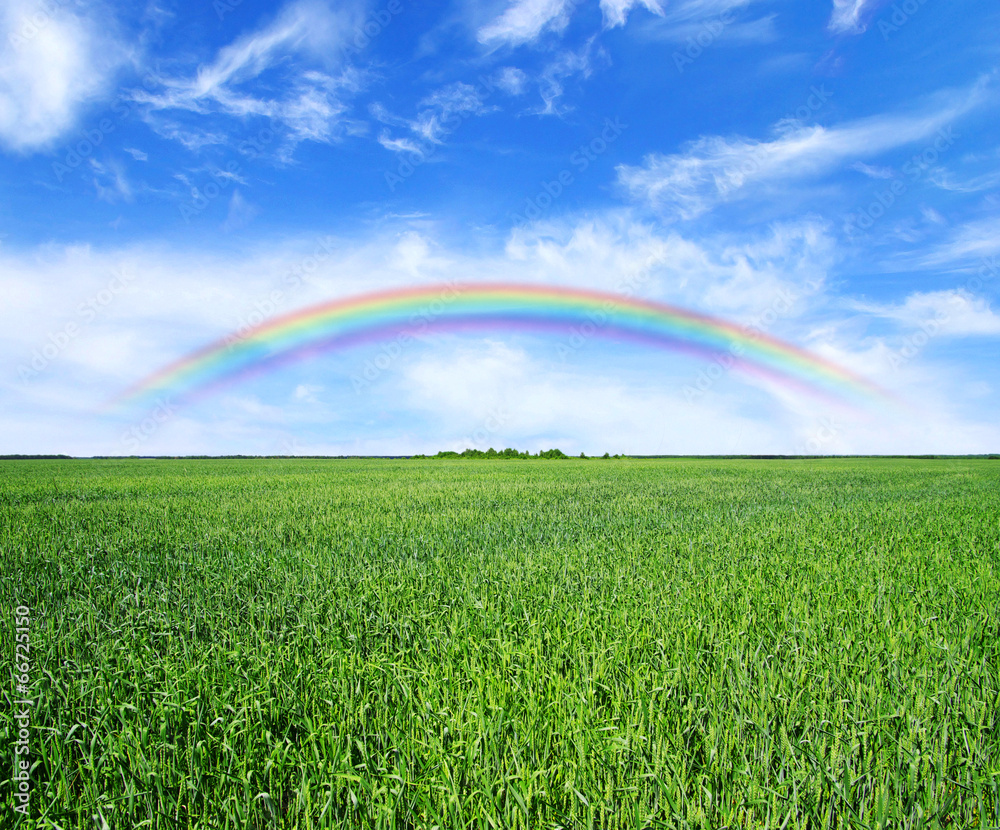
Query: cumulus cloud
pixel 447 387
pixel 511 80
pixel 55 60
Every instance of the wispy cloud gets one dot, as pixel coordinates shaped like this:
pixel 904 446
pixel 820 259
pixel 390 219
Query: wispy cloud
pixel 303 46
pixel 717 169
pixel 718 20
pixel 566 64
pixel 241 213
pixel 957 313
pixel 851 16
pixel 872 171
pixel 616 11
pixel 970 242
pixel 398 145
pixel 438 114
pixel 525 20
pixel 110 181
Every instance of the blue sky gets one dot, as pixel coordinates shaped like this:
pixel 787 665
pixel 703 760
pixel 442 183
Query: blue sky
pixel 173 171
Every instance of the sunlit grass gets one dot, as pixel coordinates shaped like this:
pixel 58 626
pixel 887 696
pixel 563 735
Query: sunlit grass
pixel 600 643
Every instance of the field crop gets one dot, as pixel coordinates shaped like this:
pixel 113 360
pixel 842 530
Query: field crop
pixel 512 644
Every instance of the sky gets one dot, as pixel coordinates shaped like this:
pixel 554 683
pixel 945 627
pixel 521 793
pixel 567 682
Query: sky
pixel 825 173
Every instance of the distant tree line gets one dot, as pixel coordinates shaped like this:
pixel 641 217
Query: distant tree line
pixel 507 453
pixel 32 457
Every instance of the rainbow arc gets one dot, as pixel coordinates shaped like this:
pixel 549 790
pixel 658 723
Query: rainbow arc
pixel 479 307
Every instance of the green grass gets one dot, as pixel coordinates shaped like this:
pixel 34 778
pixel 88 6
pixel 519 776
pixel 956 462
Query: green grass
pixel 689 644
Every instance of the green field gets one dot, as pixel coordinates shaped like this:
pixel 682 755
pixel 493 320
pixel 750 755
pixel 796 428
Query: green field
pixel 505 644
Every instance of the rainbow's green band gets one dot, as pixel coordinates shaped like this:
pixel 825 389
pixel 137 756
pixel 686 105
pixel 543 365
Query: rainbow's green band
pixel 385 314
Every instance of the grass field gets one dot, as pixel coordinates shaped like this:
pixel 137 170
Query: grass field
pixel 700 644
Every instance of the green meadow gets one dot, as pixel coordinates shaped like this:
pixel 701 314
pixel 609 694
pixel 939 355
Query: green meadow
pixel 503 644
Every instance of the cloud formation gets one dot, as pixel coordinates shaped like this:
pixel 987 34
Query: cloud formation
pixel 305 46
pixel 850 16
pixel 525 20
pixel 716 169
pixel 55 60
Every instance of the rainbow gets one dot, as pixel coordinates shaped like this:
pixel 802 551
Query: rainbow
pixel 411 312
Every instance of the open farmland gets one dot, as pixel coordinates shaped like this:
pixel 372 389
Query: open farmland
pixel 599 643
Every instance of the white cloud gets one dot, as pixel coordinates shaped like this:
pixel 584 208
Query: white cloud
pixel 552 80
pixel 454 99
pixel 304 45
pixel 398 145
pixel 307 392
pixel 711 21
pixel 716 169
pixel 55 61
pixel 872 171
pixel 511 80
pixel 974 241
pixel 439 114
pixel 137 154
pixel 946 180
pixel 241 213
pixel 848 16
pixel 598 399
pixel 110 181
pixel 955 313
pixel 616 11
pixel 526 20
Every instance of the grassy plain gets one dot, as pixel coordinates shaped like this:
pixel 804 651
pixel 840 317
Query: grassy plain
pixel 689 644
